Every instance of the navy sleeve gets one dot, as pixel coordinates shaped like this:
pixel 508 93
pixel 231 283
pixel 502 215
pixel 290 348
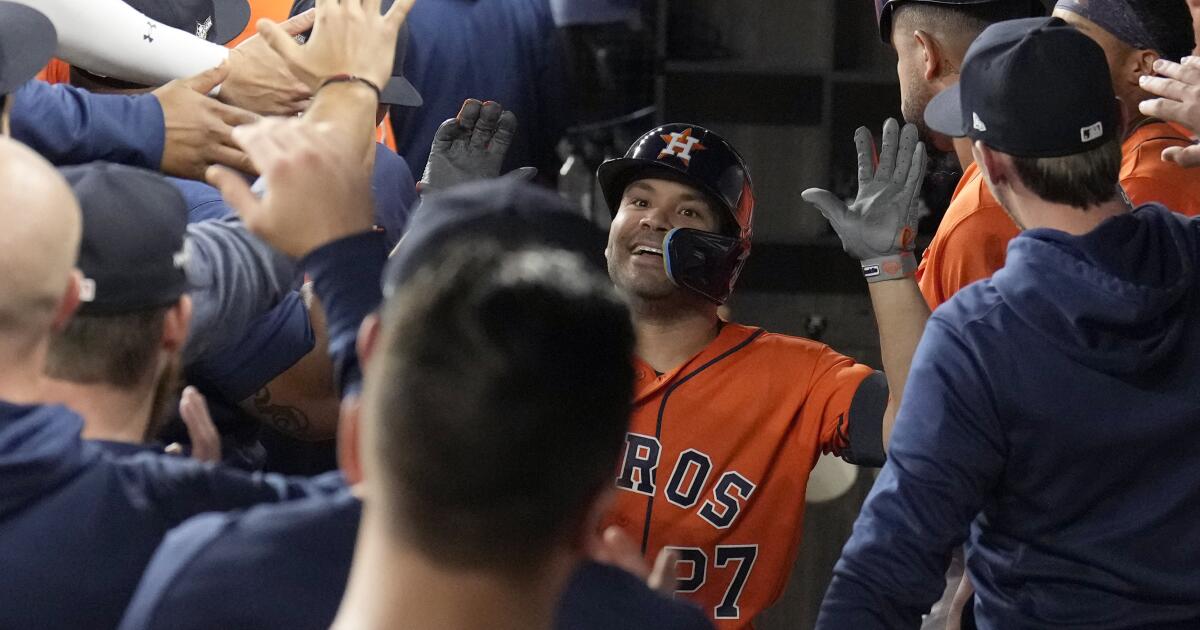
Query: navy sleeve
pixel 68 125
pixel 180 488
pixel 148 609
pixel 234 279
pixel 946 453
pixel 346 277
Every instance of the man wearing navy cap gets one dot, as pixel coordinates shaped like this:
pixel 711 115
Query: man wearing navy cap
pixel 1052 408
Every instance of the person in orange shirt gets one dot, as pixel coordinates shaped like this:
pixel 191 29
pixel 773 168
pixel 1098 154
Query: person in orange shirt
pixel 728 420
pixel 931 38
pixel 1133 36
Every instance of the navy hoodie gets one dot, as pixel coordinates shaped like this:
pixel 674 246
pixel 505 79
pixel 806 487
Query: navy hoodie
pixel 1055 410
pixel 78 525
pixel 286 566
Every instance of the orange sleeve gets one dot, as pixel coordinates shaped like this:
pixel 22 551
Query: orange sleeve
pixel 972 250
pixel 844 394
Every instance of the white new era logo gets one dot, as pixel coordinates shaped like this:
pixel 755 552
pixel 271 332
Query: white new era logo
pixel 1091 132
pixel 979 126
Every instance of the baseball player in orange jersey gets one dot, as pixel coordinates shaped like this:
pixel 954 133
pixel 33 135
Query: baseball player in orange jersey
pixel 728 420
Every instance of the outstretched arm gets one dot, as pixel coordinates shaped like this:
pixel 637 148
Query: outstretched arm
pixel 879 229
pixel 325 221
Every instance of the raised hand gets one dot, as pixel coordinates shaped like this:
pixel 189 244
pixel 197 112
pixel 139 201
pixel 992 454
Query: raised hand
pixel 317 190
pixel 879 227
pixel 199 129
pixel 1179 89
pixel 259 80
pixel 613 547
pixel 471 146
pixel 206 442
pixel 350 37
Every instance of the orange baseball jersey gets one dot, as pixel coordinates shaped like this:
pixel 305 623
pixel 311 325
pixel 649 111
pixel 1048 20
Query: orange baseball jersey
pixel 970 242
pixel 1147 178
pixel 718 454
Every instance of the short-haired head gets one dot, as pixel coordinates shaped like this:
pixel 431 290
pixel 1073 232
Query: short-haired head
pixel 495 404
pixel 931 39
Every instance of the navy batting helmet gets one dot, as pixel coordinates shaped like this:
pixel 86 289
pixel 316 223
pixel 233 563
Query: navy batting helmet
pixel 884 10
pixel 705 262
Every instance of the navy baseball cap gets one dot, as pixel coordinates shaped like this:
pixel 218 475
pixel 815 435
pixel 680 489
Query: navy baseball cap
pixel 1030 88
pixel 398 90
pixel 132 255
pixel 217 21
pixel 27 42
pixel 886 9
pixel 505 210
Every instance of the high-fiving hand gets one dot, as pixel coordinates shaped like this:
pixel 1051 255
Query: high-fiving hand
pixel 1179 87
pixel 879 227
pixel 349 37
pixel 471 146
pixel 259 81
pixel 317 191
pixel 198 129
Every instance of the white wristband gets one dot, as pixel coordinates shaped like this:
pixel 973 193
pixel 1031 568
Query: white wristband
pixel 893 267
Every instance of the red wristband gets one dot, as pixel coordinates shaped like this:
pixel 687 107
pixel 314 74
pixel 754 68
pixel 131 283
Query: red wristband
pixel 350 78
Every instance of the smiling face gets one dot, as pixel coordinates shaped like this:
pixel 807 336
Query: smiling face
pixel 649 209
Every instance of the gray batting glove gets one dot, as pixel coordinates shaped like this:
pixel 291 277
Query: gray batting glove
pixel 879 228
pixel 471 147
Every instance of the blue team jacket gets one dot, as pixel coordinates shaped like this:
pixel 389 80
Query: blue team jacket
pixel 286 566
pixel 78 525
pixel 67 125
pixel 1052 412
pixel 501 50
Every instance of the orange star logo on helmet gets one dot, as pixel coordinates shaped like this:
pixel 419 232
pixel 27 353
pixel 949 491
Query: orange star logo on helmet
pixel 680 144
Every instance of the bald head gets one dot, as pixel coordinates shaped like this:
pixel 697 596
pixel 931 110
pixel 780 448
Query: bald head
pixel 39 242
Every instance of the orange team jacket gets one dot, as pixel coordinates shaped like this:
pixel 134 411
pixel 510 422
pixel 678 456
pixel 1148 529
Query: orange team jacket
pixel 972 239
pixel 718 454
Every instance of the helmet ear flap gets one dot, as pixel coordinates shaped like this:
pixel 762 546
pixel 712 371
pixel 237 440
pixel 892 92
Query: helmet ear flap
pixel 704 262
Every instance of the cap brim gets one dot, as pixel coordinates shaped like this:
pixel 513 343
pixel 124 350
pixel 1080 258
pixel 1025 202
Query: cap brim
pixel 27 43
pixel 230 18
pixel 399 91
pixel 944 113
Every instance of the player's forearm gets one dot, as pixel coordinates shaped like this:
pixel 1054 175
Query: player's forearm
pixel 111 38
pixel 900 314
pixel 350 107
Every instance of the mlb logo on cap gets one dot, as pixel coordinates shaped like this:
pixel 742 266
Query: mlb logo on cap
pixel 1092 132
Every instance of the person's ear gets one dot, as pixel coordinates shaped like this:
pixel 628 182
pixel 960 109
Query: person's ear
pixel 1138 64
pixel 368 338
pixel 996 168
pixel 349 450
pixel 68 303
pixel 176 324
pixel 932 56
